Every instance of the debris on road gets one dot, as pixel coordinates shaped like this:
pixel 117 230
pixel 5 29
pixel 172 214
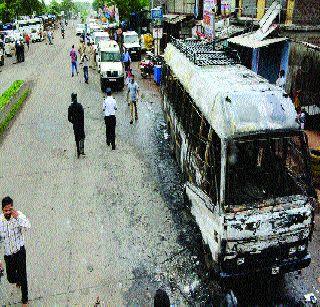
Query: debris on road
pixel 310 298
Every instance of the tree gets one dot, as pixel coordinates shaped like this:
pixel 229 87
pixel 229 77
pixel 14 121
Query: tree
pixel 54 7
pixel 10 9
pixel 126 7
pixel 67 5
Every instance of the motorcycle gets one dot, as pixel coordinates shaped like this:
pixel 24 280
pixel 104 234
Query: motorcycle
pixel 146 67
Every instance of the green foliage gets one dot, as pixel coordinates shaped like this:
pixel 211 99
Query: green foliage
pixel 125 6
pixel 10 9
pixel 13 111
pixel 9 93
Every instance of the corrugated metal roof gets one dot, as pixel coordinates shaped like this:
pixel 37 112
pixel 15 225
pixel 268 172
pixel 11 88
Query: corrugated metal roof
pixel 249 42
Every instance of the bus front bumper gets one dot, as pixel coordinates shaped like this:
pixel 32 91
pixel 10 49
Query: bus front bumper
pixel 280 267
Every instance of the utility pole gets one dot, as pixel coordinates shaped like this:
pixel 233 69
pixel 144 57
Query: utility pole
pixel 214 27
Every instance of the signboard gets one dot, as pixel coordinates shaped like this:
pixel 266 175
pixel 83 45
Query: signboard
pixel 156 13
pixel 157 33
pixel 208 17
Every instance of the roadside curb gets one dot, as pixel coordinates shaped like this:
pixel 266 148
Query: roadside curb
pixel 12 108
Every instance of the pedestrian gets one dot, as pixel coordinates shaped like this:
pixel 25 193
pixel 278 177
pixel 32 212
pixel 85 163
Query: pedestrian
pixel 85 62
pixel 118 37
pixel 301 117
pixel 76 117
pixel 109 108
pixel 18 51
pixel 128 77
pixel 281 81
pixel 82 49
pixel 132 96
pixel 73 55
pixel 50 37
pixel 126 60
pixel 92 57
pixel 161 299
pixel 12 225
pixel 27 38
pixel 22 50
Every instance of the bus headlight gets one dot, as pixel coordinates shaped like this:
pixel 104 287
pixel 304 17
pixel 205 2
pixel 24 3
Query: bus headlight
pixel 292 250
pixel 240 261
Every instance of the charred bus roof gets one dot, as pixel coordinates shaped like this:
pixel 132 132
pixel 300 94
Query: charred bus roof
pixel 234 100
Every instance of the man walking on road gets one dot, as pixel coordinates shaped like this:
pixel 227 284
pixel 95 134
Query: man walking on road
pixel 27 39
pixel 126 60
pixel 12 225
pixel 50 37
pixel 73 55
pixel 109 108
pixel 133 93
pixel 85 62
pixel 76 117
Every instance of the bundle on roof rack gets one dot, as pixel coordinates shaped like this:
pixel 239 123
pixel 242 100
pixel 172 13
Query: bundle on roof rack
pixel 202 53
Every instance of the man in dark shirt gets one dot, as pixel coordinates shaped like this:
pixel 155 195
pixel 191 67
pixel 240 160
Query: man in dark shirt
pixel 76 117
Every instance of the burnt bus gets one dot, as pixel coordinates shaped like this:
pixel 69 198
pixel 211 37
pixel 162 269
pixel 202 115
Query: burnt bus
pixel 245 162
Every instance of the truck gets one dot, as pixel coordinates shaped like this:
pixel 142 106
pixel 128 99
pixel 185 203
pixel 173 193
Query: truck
pixel 131 42
pixel 245 162
pixel 110 66
pixel 23 25
pixel 36 29
pixel 98 37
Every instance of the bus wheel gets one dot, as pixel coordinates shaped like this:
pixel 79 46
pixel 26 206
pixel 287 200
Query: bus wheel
pixel 207 255
pixel 229 300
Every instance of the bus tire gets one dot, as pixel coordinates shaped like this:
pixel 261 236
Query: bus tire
pixel 207 255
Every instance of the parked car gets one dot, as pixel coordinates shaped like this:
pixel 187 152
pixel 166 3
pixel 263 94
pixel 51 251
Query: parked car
pixel 36 36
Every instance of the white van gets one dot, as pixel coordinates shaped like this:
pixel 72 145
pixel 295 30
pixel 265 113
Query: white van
pixel 98 37
pixel 80 28
pixel 110 65
pixel 132 43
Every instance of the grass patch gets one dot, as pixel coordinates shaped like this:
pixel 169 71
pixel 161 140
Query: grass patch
pixel 8 94
pixel 13 111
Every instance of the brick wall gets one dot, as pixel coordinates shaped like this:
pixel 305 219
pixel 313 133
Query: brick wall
pixel 307 12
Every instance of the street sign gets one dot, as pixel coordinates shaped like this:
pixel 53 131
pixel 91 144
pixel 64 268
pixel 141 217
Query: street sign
pixel 156 13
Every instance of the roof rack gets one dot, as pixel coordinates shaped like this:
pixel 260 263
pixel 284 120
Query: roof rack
pixel 202 53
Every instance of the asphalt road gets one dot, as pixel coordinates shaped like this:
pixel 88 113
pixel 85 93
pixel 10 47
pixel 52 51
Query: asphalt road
pixel 100 226
pixel 112 224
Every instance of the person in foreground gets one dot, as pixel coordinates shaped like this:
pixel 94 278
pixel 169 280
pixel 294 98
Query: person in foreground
pixel 12 225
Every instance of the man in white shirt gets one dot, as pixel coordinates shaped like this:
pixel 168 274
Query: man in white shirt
pixel 281 81
pixel 109 108
pixel 12 224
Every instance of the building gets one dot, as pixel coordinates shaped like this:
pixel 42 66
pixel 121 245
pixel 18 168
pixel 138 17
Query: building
pixel 302 12
pixel 298 54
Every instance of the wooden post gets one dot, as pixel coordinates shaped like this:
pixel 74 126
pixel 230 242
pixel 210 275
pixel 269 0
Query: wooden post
pixel 240 8
pixel 261 5
pixel 290 10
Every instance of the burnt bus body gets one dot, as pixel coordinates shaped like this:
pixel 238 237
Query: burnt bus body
pixel 245 162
